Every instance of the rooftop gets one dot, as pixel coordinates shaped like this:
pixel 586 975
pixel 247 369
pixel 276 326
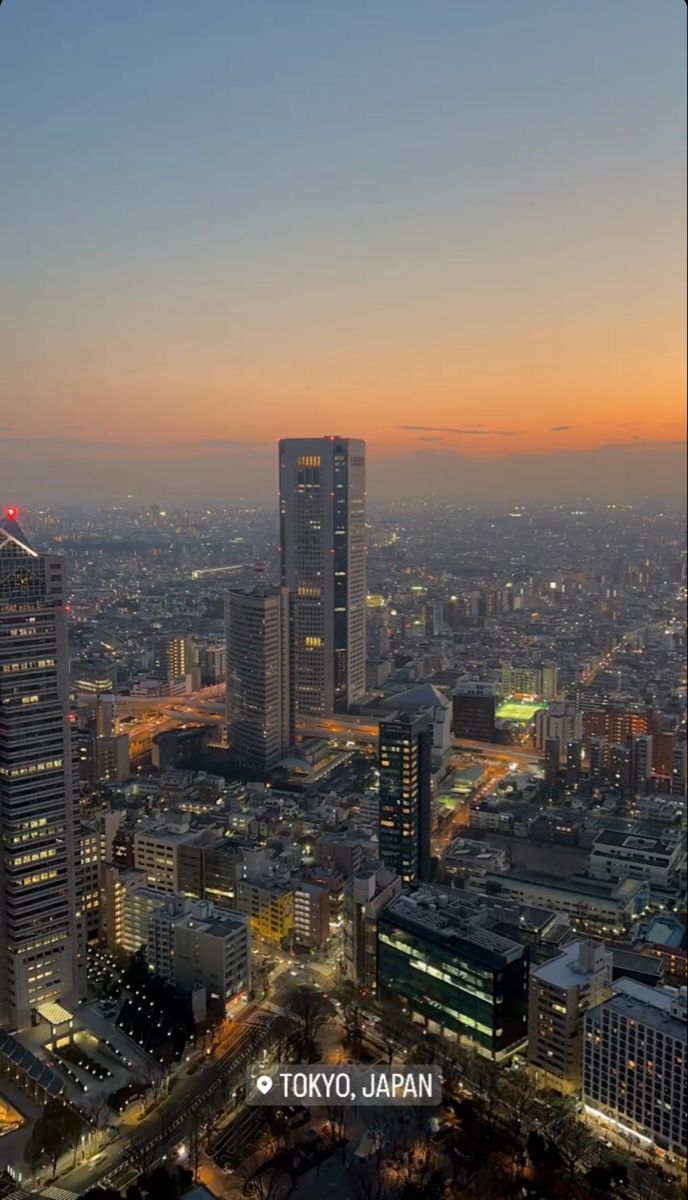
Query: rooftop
pixel 445 922
pixel 667 931
pixel 648 1005
pixel 422 696
pixel 566 970
pixel 626 889
pixel 628 960
pixel 634 841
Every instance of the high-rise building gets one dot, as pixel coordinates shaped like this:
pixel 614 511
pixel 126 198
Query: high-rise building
pixel 551 749
pixel 259 711
pixel 405 745
pixel 157 848
pixel 311 914
pixel 679 770
pixel 561 990
pixel 192 944
pixel 634 1066
pixel 173 657
pixel 597 753
pixel 548 681
pixel 474 709
pixel 40 934
pixel 560 721
pixel 641 763
pixel 574 761
pixel 322 548
pixel 620 773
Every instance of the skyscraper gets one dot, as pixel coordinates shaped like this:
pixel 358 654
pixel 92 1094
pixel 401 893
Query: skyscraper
pixel 39 955
pixel 259 716
pixel 173 657
pixel 322 547
pixel 405 786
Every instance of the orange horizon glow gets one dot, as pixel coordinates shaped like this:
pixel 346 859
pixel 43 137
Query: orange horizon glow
pixel 458 234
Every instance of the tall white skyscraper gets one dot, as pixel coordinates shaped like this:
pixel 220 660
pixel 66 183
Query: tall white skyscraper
pixel 322 546
pixel 259 720
pixel 39 955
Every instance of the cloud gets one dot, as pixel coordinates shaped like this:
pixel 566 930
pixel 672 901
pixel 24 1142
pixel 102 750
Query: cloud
pixel 560 428
pixel 467 430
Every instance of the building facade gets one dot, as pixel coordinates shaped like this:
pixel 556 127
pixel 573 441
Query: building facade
pixel 259 711
pixel 474 708
pixel 41 935
pixel 461 981
pixel 634 1070
pixel 366 894
pixel 560 992
pixel 405 746
pixel 192 945
pixel 619 855
pixel 322 548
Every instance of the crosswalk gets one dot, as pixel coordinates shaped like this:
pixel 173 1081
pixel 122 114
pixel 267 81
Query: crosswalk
pixel 10 1192
pixel 58 1193
pixel 259 1019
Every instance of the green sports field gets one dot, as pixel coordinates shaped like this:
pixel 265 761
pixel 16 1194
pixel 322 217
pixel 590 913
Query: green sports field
pixel 519 710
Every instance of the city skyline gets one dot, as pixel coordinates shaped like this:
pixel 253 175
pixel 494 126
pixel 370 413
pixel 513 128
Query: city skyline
pixel 343 600
pixel 457 235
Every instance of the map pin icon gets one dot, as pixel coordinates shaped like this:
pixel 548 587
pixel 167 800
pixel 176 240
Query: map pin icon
pixel 264 1083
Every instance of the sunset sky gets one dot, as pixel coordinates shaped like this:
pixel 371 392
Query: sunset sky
pixel 452 227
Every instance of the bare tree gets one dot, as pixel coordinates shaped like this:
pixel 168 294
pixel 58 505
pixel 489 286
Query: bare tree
pixel 264 1182
pixel 96 1111
pixel 307 1008
pixel 518 1104
pixel 574 1142
pixel 335 1129
pixel 369 1184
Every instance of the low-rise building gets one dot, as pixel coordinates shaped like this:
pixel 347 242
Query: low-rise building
pixel 269 906
pixel 468 859
pixel 593 905
pixel 619 855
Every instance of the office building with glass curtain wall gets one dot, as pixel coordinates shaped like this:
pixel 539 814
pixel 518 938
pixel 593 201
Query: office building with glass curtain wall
pixel 322 552
pixel 41 942
pixel 258 704
pixel 455 978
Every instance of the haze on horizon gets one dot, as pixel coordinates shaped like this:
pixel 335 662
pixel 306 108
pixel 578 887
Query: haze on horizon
pixel 454 230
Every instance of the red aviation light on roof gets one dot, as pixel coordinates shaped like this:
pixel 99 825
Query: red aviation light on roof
pixel 12 512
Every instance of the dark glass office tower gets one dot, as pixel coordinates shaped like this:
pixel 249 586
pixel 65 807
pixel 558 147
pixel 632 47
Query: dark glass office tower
pixel 405 745
pixel 259 720
pixel 322 548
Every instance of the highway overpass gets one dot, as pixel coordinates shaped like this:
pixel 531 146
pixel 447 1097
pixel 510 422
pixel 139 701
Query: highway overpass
pixel 208 707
